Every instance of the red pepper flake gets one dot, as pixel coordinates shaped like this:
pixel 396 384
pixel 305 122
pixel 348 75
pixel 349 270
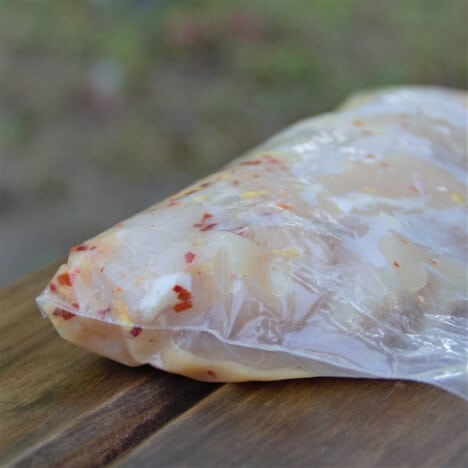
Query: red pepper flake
pixel 182 293
pixel 82 248
pixel 251 163
pixel 177 288
pixel 358 123
pixel 189 257
pixel 271 159
pixel 414 189
pixel 211 373
pixel 53 287
pixel 76 305
pixel 184 296
pixel 103 312
pixel 205 227
pixel 208 227
pixel 284 206
pixel 396 264
pixel 119 289
pixel 62 313
pixel 235 182
pixel 384 164
pixel 173 203
pixel 205 184
pixel 135 331
pixel 366 133
pixel 64 279
pixel 101 269
pixel 181 306
pixel 432 262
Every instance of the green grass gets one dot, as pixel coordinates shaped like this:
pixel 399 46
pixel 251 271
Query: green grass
pixel 230 73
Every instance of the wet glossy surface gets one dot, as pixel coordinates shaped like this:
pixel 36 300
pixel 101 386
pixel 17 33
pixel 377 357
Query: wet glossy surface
pixel 337 248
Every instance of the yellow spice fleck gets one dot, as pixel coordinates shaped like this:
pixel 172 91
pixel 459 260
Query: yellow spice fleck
pixel 288 253
pixel 457 198
pixel 367 189
pixel 121 314
pixel 252 194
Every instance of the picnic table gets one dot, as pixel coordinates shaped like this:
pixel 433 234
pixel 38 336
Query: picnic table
pixel 63 406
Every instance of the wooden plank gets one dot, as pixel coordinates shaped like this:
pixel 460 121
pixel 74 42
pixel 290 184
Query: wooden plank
pixel 63 406
pixel 316 422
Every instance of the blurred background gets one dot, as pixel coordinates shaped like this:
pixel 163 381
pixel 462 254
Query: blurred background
pixel 106 107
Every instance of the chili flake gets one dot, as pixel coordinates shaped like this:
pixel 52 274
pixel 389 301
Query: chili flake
pixel 82 248
pixel 251 163
pixel 396 264
pixel 103 312
pixel 181 306
pixel 62 313
pixel 182 293
pixel 208 227
pixel 64 279
pixel 271 159
pixel 135 331
pixel 189 257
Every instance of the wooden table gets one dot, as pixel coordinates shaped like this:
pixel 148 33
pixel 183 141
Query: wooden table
pixel 63 406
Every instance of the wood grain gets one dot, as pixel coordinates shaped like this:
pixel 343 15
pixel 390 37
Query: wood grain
pixel 317 422
pixel 63 406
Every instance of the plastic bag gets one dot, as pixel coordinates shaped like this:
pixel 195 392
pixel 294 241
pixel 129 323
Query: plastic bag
pixel 337 248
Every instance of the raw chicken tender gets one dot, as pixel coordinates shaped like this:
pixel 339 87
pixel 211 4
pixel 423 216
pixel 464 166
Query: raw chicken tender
pixel 337 248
